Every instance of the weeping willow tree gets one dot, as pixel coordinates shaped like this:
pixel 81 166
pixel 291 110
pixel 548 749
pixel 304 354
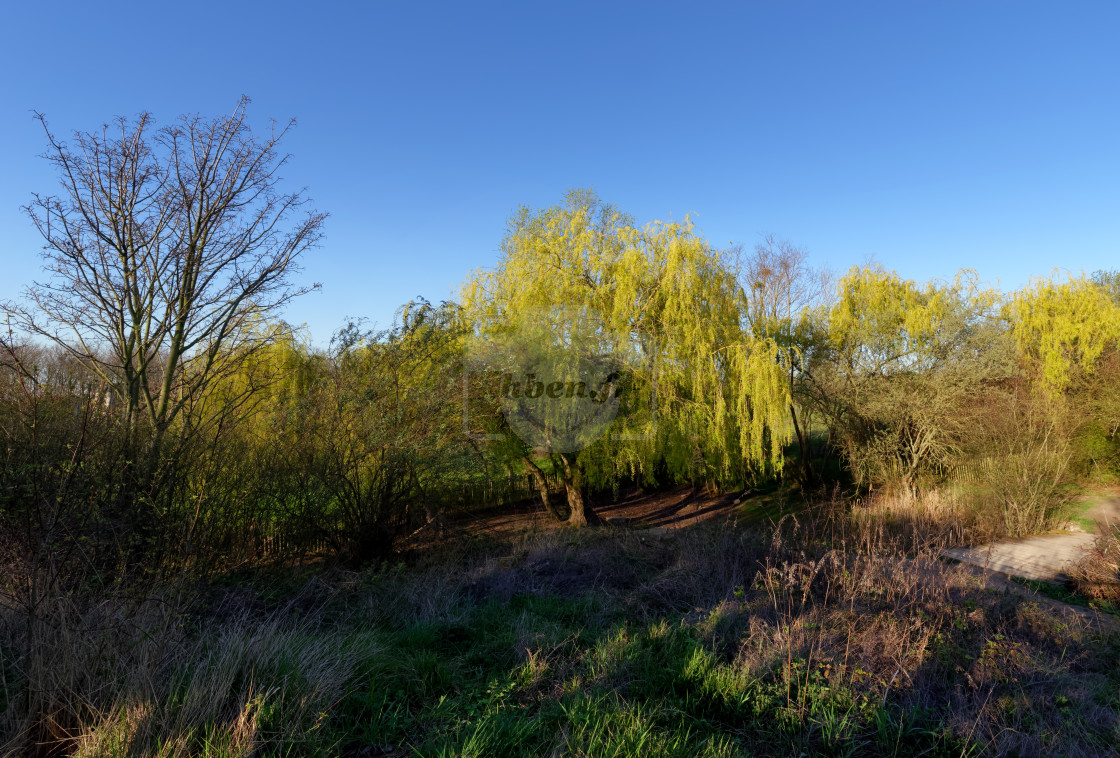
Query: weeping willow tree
pixel 699 398
pixel 1064 327
pixel 1068 334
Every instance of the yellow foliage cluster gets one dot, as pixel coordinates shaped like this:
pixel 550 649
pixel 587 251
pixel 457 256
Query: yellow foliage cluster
pixel 893 324
pixel 1062 325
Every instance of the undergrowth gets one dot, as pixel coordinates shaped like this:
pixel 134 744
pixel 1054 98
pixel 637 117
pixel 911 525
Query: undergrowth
pixel 817 635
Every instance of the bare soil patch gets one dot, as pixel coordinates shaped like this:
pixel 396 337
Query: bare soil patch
pixel 669 509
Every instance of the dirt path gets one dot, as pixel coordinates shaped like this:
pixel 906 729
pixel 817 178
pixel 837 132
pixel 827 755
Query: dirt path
pixel 1047 556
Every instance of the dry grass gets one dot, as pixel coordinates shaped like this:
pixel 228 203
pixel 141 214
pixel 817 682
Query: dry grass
pixel 834 630
pixel 962 512
pixel 114 679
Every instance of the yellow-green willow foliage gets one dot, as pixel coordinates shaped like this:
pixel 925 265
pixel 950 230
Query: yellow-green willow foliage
pixel 251 380
pixel 699 387
pixel 888 324
pixel 1062 325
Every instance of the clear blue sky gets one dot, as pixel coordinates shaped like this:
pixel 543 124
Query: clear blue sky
pixel 931 136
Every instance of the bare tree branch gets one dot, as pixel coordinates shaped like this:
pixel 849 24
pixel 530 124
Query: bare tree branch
pixel 166 251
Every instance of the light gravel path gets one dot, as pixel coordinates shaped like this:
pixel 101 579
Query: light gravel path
pixel 1044 558
pixel 1047 556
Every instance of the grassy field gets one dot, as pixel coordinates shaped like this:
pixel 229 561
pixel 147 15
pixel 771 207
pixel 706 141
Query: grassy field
pixel 804 638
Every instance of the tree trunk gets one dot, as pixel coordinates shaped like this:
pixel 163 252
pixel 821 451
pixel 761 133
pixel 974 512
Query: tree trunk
pixel 580 514
pixel 803 445
pixel 542 488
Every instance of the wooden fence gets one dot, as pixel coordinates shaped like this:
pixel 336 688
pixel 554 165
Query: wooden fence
pixel 475 495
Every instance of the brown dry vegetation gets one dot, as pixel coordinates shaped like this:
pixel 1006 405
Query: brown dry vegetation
pixel 1098 575
pixel 818 633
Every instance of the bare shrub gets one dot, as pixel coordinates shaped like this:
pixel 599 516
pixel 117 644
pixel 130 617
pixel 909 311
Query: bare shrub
pixel 1097 575
pixel 1017 480
pixel 1021 493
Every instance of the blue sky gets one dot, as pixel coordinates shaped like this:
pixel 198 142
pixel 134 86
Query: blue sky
pixel 931 136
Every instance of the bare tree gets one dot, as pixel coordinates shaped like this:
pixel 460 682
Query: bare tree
pixel 167 250
pixel 780 285
pixel 782 292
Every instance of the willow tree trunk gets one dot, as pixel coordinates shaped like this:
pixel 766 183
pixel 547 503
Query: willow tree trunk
pixel 542 488
pixel 580 514
pixel 803 445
